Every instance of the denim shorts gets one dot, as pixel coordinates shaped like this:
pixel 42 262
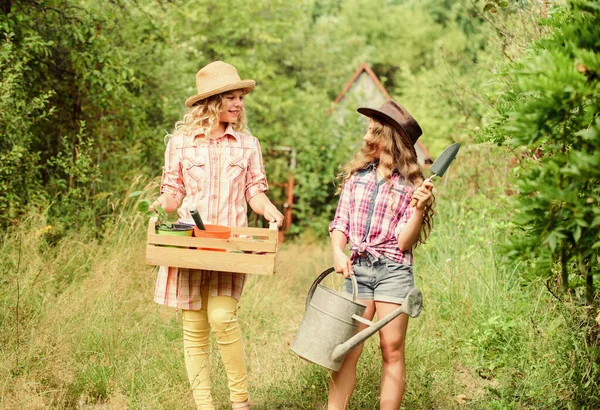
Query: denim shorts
pixel 381 280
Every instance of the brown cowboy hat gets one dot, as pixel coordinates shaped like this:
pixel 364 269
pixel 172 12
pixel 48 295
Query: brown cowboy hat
pixel 216 78
pixel 395 115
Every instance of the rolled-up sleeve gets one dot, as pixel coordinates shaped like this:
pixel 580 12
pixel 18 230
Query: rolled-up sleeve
pixel 406 210
pixel 256 180
pixel 341 220
pixel 172 178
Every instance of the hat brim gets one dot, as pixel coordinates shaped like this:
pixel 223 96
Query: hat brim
pixel 378 115
pixel 245 85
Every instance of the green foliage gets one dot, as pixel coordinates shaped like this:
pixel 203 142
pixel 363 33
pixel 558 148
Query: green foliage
pixel 19 112
pixel 94 87
pixel 74 108
pixel 495 340
pixel 548 113
pixel 88 90
pixel 162 218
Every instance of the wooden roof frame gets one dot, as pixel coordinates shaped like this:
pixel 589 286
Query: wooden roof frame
pixel 363 67
pixel 366 68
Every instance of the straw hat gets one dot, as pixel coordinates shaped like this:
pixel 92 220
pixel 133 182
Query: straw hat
pixel 216 78
pixel 395 115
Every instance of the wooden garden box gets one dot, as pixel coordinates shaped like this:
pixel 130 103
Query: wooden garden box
pixel 248 250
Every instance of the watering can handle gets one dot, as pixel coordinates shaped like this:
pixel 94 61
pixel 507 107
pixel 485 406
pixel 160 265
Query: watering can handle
pixel 322 276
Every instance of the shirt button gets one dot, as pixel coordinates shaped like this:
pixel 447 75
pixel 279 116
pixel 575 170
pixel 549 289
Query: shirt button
pixel 214 196
pixel 213 216
pixel 216 177
pixel 215 158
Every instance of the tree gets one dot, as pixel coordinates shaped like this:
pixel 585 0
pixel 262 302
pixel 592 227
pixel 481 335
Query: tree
pixel 549 112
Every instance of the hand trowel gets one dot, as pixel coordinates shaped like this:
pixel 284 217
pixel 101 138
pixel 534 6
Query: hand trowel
pixel 441 164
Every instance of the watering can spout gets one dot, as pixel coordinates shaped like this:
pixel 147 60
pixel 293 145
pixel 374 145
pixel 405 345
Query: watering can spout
pixel 413 303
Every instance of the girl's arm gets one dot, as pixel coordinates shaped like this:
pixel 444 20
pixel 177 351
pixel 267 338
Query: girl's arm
pixel 256 185
pixel 339 230
pixel 261 204
pixel 341 262
pixel 409 235
pixel 172 181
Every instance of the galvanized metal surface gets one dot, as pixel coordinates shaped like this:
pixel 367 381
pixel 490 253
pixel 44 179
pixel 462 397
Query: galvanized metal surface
pixel 328 331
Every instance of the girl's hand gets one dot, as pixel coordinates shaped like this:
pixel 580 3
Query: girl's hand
pixel 272 214
pixel 341 263
pixel 154 204
pixel 423 195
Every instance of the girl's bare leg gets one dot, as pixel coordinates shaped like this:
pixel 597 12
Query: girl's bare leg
pixel 343 381
pixel 392 342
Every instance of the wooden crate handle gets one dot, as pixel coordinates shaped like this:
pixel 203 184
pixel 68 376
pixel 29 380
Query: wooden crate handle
pixel 152 225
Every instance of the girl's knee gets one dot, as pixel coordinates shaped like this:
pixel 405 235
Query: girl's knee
pixel 195 325
pixel 222 314
pixel 221 319
pixel 392 352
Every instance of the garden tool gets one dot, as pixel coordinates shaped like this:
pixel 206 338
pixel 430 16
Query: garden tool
pixel 441 164
pixel 196 217
pixel 328 331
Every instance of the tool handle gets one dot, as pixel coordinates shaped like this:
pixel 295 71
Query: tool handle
pixel 413 202
pixel 197 219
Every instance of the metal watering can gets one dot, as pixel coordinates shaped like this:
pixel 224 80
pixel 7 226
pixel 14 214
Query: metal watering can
pixel 328 331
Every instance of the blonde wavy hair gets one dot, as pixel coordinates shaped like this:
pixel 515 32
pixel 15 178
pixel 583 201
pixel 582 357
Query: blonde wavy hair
pixel 398 154
pixel 204 116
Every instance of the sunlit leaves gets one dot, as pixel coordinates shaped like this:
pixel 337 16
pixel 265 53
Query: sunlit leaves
pixel 551 107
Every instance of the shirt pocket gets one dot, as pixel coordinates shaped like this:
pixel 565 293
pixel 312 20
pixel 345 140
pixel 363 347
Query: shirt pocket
pixel 359 187
pixel 195 168
pixel 236 168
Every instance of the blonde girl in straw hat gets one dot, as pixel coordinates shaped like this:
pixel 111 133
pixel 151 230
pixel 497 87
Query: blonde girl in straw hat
pixel 214 164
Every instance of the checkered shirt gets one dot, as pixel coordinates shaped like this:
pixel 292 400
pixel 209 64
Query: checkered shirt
pixel 372 213
pixel 218 176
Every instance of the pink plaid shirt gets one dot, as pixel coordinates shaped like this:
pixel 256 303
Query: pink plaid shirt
pixel 372 213
pixel 219 176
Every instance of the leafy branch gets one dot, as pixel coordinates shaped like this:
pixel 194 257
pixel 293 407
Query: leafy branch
pixel 144 208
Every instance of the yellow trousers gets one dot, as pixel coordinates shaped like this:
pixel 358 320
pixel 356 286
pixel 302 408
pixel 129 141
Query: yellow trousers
pixel 219 314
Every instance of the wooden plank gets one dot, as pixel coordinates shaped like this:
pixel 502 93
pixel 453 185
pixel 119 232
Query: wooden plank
pixel 270 233
pixel 231 244
pixel 152 225
pixel 200 259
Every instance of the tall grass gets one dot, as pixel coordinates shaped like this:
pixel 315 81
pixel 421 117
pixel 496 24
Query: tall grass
pixel 80 330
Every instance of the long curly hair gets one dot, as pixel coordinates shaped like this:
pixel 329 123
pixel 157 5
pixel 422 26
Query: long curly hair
pixel 396 153
pixel 203 116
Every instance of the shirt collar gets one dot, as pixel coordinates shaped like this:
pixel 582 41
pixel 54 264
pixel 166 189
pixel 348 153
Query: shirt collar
pixel 373 167
pixel 228 131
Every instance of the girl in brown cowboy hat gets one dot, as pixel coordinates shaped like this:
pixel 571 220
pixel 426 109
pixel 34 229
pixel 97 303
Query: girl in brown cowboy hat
pixel 213 164
pixel 376 217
